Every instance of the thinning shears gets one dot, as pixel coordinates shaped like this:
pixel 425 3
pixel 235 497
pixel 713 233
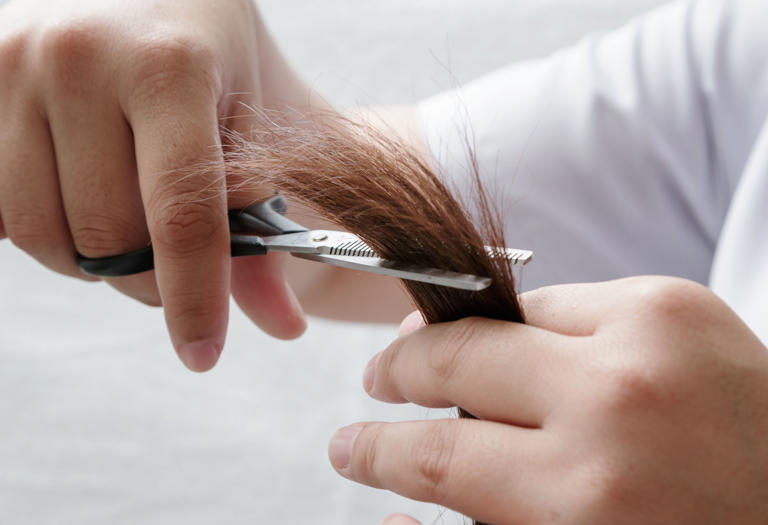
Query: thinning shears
pixel 262 228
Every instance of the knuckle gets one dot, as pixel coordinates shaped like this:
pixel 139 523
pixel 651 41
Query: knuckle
pixel 390 359
pixel 167 64
pixel 13 51
pixel 434 458
pixel 665 299
pixel 629 389
pixel 26 232
pixel 451 355
pixel 610 485
pixel 193 311
pixel 185 224
pixel 369 466
pixel 69 52
pixel 98 234
pixel 42 239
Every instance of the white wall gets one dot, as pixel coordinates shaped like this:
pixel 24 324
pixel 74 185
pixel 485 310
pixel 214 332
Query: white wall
pixel 396 51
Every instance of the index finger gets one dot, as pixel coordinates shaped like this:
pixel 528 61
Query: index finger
pixel 175 127
pixel 582 309
pixel 495 370
pixel 571 309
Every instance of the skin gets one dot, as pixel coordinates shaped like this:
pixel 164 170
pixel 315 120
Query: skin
pixel 636 401
pixel 108 102
pixel 641 401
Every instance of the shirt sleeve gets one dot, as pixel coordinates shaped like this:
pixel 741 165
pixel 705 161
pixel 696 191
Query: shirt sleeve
pixel 619 155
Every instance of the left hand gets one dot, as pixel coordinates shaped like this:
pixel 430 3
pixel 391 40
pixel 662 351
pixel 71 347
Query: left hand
pixel 643 400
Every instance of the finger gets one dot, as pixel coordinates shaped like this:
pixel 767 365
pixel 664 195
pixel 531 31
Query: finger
pixel 99 183
pixel 488 471
pixel 411 323
pixel 259 284
pixel 573 309
pixel 493 369
pixel 174 120
pixel 260 289
pixel 33 215
pixel 399 519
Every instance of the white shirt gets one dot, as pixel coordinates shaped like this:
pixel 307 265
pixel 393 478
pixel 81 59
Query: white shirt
pixel 642 151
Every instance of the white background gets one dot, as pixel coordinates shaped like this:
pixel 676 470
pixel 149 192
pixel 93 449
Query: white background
pixel 101 424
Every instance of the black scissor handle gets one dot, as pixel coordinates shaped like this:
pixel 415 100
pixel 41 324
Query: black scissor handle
pixel 264 218
pixel 118 265
pixel 246 224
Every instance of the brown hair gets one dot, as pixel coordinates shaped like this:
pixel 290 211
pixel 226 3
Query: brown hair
pixel 380 189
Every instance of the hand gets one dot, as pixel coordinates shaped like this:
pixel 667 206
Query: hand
pixel 641 401
pixel 103 104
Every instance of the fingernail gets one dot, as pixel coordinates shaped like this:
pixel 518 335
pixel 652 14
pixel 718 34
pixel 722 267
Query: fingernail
pixel 411 323
pixel 397 519
pixel 370 372
pixel 200 356
pixel 340 447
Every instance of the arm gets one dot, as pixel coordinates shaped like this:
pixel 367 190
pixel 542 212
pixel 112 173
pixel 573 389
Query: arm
pixel 619 126
pixel 617 156
pixel 628 126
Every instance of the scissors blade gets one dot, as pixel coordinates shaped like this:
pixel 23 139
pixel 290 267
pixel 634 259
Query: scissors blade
pixel 435 276
pixel 514 255
pixel 320 241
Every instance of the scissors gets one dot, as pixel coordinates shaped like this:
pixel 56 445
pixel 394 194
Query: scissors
pixel 262 228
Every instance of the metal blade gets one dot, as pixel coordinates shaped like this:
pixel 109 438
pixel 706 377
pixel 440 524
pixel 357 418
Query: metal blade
pixel 402 271
pixel 513 255
pixel 338 243
pixel 320 241
pixel 353 248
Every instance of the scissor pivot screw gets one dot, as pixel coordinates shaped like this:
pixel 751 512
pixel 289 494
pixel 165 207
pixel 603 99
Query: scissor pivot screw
pixel 320 237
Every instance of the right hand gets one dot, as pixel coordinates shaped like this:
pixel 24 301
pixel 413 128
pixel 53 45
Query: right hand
pixel 102 104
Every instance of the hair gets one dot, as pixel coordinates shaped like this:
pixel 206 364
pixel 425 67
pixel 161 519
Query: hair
pixel 377 187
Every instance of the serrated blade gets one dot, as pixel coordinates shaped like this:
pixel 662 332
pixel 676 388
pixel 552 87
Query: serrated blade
pixel 353 248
